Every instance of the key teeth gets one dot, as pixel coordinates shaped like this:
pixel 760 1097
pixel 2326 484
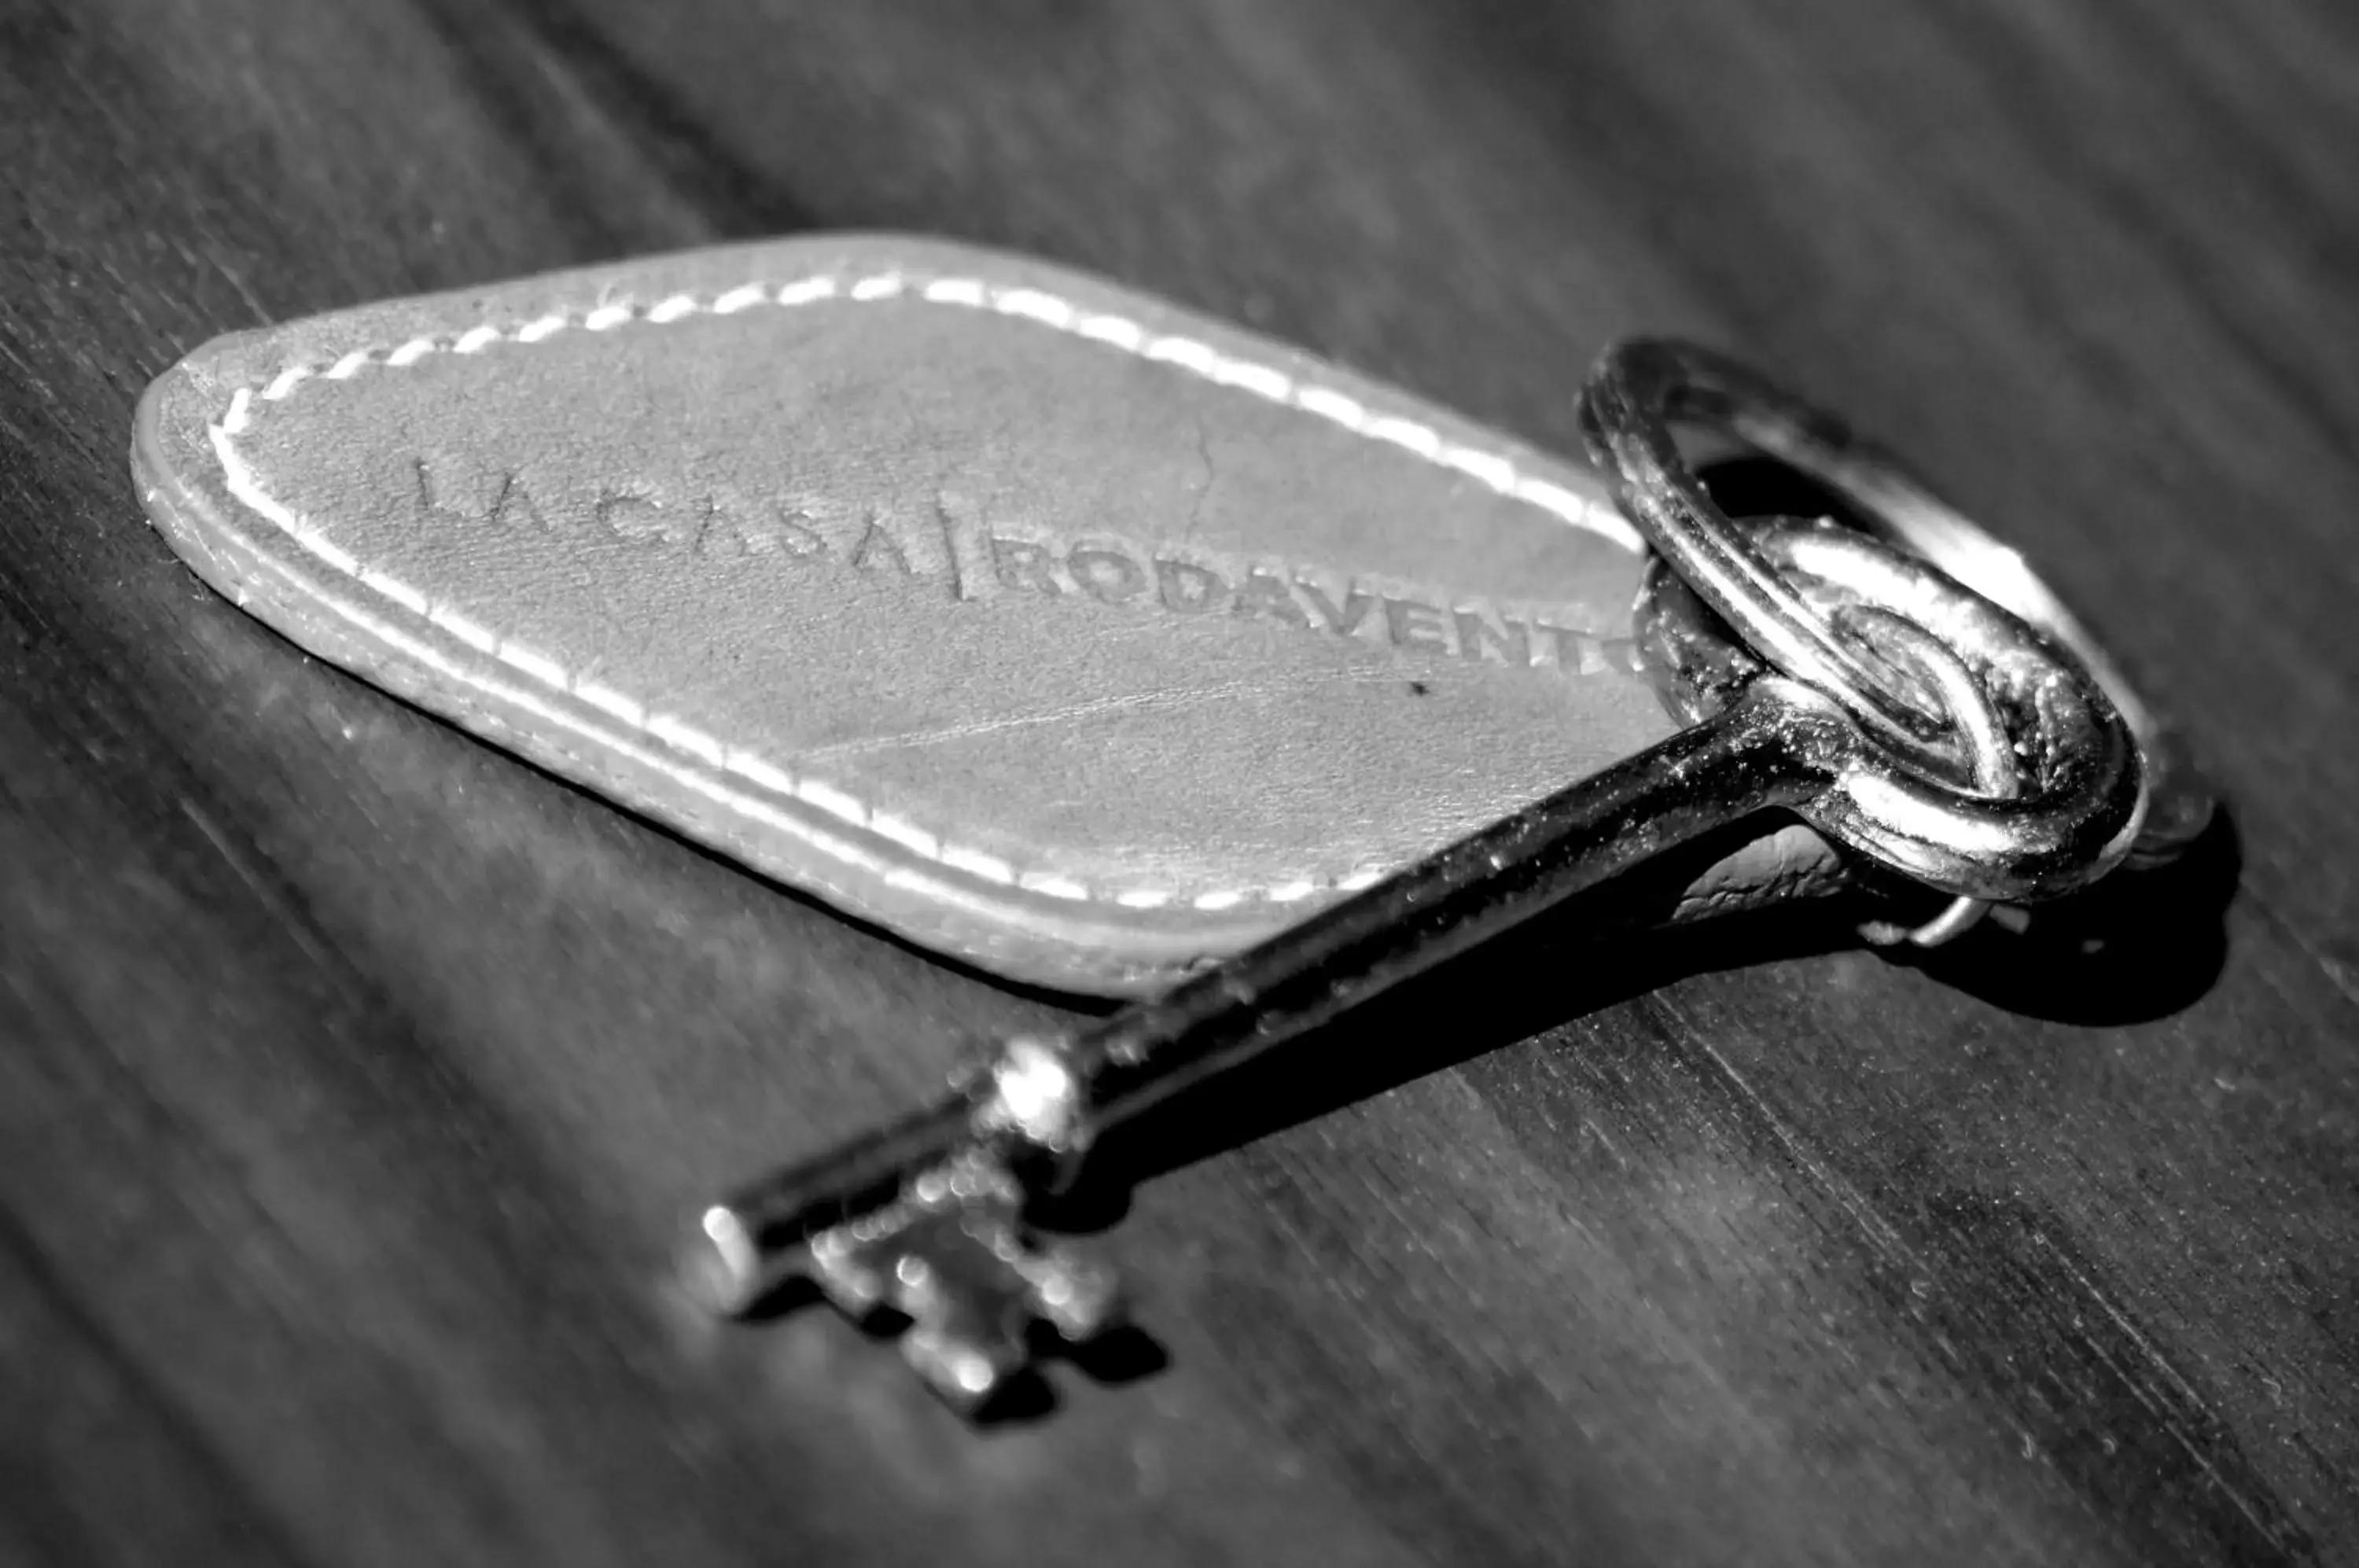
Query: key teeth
pixel 844 1273
pixel 954 1257
pixel 1074 1293
pixel 722 1269
pixel 962 1374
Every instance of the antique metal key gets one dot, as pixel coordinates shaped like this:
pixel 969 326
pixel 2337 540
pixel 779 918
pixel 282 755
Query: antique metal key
pixel 1905 716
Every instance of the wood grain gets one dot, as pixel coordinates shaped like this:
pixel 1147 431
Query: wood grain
pixel 354 1078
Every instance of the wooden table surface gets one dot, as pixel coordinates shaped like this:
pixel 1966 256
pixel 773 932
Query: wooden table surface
pixel 355 1078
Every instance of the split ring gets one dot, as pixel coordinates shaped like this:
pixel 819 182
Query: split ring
pixel 1642 387
pixel 1951 818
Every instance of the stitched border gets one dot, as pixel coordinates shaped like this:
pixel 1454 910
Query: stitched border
pixel 1490 469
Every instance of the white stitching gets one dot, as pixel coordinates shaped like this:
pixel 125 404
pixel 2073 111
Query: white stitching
pixel 974 863
pixel 1492 469
pixel 393 588
pixel 346 562
pixel 1112 330
pixel 835 802
pixel 1485 468
pixel 1052 885
pixel 1261 380
pixel 600 695
pixel 909 835
pixel 684 736
pixel 541 668
pixel 762 771
pixel 481 638
pixel 1332 406
pixel 967 292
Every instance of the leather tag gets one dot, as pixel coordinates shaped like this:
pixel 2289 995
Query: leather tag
pixel 1053 627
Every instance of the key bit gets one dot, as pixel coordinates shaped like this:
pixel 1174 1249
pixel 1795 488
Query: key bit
pixel 926 1218
pixel 953 1256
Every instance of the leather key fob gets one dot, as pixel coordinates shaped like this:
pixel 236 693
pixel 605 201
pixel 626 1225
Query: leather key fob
pixel 1053 627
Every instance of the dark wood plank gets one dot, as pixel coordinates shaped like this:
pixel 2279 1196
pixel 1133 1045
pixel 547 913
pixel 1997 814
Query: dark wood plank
pixel 354 1078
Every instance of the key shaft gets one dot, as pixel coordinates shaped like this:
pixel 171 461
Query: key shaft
pixel 1036 1111
pixel 1777 744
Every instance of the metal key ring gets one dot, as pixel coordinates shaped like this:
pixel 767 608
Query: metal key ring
pixel 2075 797
pixel 1994 768
pixel 1641 386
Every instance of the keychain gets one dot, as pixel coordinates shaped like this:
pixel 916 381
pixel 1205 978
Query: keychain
pixel 744 540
